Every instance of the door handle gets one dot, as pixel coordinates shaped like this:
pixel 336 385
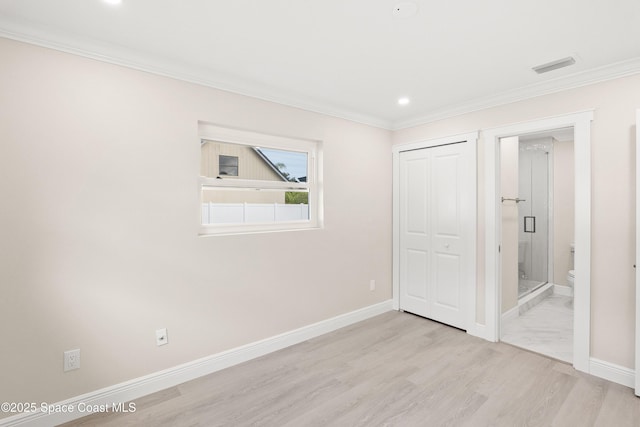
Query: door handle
pixel 529 224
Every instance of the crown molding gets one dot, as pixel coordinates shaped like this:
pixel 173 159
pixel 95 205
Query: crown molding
pixel 130 58
pixel 583 78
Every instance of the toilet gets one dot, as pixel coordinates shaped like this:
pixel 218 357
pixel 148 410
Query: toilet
pixel 571 276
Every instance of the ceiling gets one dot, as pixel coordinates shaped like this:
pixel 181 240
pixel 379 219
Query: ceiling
pixel 562 135
pixel 349 58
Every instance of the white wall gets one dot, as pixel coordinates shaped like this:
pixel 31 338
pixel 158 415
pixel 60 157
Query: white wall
pixel 509 150
pixel 115 155
pixel 613 197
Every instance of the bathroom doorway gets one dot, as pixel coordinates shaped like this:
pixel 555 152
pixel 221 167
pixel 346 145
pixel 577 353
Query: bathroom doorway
pixel 493 259
pixel 537 199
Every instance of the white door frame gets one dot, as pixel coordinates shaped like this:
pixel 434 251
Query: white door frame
pixel 581 123
pixel 468 138
pixel 637 366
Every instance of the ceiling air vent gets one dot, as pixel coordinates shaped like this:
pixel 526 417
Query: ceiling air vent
pixel 554 65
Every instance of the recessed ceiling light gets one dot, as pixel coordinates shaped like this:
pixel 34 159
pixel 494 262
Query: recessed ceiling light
pixel 114 2
pixel 403 101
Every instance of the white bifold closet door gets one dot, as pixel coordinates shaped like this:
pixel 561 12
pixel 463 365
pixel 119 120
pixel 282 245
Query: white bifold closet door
pixel 433 196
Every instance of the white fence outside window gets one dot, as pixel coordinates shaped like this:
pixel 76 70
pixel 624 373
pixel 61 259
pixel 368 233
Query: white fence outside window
pixel 228 213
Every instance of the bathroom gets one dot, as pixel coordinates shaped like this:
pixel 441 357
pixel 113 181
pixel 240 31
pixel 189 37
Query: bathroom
pixel 537 188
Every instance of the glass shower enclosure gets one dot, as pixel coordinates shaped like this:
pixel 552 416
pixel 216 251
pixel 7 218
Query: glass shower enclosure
pixel 533 215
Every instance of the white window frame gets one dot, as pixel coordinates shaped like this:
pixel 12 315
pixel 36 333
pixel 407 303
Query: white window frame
pixel 313 149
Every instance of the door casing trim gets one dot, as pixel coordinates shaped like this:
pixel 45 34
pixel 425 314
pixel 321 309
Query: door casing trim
pixel 581 123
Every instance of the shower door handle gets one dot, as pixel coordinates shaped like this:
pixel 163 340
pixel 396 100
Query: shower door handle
pixel 529 224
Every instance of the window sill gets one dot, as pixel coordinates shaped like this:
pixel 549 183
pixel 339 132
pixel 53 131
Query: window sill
pixel 258 228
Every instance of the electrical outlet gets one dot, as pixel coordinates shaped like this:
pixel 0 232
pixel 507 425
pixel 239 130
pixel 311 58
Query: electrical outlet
pixel 71 360
pixel 161 337
pixel 372 285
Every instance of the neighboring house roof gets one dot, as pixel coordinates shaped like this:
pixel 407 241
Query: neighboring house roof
pixel 270 164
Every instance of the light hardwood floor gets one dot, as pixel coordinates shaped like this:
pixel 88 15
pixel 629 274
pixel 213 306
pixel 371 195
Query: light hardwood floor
pixel 396 369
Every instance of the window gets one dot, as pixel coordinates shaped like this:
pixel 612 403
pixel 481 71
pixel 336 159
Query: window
pixel 251 182
pixel 228 165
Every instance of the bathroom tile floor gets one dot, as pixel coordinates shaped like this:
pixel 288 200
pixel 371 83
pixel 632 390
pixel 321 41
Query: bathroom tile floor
pixel 546 328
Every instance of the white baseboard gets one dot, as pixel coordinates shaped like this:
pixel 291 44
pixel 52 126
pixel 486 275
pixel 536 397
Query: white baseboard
pixel 565 291
pixel 614 373
pixel 478 330
pixel 511 314
pixel 152 383
pixel 534 294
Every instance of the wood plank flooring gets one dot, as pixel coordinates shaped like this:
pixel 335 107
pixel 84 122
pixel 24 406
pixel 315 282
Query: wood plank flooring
pixel 396 369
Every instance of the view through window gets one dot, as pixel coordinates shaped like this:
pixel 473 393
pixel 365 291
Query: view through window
pixel 247 187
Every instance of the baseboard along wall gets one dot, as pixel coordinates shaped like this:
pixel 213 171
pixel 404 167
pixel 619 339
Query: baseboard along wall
pixel 612 372
pixel 134 389
pixel 139 387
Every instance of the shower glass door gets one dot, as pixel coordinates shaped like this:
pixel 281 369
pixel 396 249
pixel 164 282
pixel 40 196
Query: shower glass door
pixel 533 215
